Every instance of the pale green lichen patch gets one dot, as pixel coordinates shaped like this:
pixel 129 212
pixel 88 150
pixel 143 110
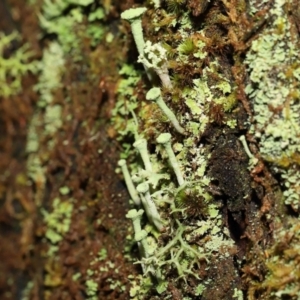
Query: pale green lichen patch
pixel 47 118
pixel 99 270
pixel 126 104
pixel 51 69
pixel 14 67
pixel 70 27
pixel 58 221
pixel 56 8
pixel 220 239
pixel 274 83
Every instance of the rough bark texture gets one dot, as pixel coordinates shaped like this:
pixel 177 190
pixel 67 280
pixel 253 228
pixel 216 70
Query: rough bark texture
pixel 73 103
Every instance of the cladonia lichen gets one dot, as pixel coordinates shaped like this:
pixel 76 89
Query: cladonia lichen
pixel 169 170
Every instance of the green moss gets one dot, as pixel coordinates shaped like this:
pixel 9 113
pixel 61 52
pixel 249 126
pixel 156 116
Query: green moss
pixel 175 6
pixel 283 274
pixel 187 47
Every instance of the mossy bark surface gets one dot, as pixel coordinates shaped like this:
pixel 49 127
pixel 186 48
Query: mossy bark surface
pixel 230 230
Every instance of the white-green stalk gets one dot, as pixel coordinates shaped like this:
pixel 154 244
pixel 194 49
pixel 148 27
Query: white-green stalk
pixel 130 186
pixel 141 146
pixel 136 216
pixel 165 140
pixel 140 235
pixel 149 205
pixel 134 17
pixel 155 95
pixel 253 159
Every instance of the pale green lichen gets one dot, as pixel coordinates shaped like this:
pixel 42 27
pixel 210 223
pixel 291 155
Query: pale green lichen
pixel 92 286
pixel 70 27
pixel 165 140
pixel 179 252
pixel 203 95
pixel 130 186
pixel 44 123
pixel 51 70
pixel 134 17
pixel 186 247
pixel 199 289
pixel 91 289
pixel 27 291
pixel 154 95
pixel 238 294
pixel 154 57
pixel 64 190
pixel 58 222
pixel 64 28
pixel 56 8
pixel 15 66
pixel 274 83
pixel 126 104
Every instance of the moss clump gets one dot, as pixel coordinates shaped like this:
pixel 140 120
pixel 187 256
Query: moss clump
pixel 283 271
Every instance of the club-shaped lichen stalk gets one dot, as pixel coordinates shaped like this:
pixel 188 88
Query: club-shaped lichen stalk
pixel 252 158
pixel 155 95
pixel 149 205
pixel 139 234
pixel 165 140
pixel 134 17
pixel 130 186
pixel 136 216
pixel 141 146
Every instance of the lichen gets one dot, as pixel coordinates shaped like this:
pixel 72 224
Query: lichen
pixel 193 231
pixel 273 89
pixel 206 200
pixel 58 222
pixel 50 68
pixel 71 28
pixel 15 65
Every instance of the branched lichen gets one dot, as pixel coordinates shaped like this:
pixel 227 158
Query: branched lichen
pixel 15 66
pixel 180 247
